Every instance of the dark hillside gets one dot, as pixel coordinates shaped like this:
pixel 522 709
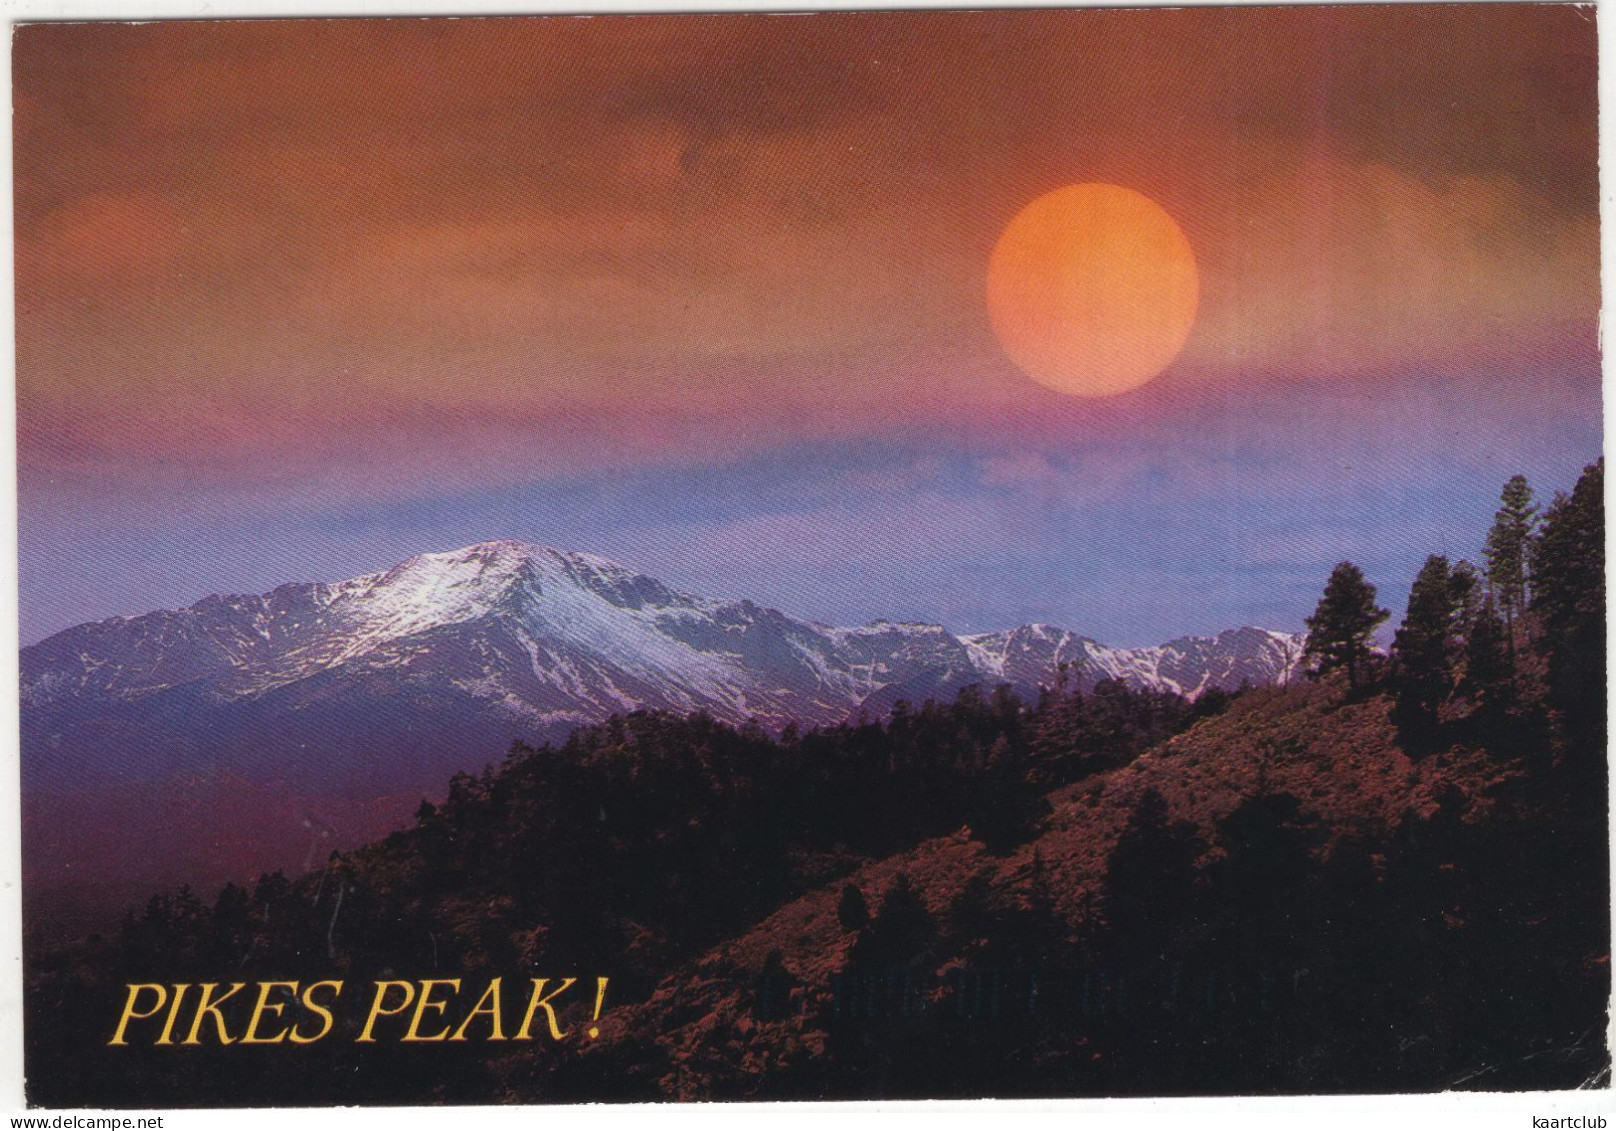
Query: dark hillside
pixel 1412 905
pixel 1250 906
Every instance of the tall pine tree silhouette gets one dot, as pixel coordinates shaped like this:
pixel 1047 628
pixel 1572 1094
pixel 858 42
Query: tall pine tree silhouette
pixel 1506 551
pixel 1488 670
pixel 1422 649
pixel 1339 631
pixel 1148 891
pixel 1568 596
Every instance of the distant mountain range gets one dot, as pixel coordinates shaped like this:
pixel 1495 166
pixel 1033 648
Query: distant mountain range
pixel 322 709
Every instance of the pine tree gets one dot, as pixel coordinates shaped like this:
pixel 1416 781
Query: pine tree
pixel 1465 591
pixel 1568 597
pixel 1489 673
pixel 1506 551
pixel 852 911
pixel 1346 618
pixel 1423 645
pixel 899 934
pixel 1258 890
pixel 1149 880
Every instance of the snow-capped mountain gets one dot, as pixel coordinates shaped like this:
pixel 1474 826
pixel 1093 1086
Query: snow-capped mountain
pixel 314 702
pixel 547 640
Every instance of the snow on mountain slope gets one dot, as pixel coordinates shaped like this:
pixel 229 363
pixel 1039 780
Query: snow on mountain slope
pixel 249 732
pixel 551 637
pixel 529 642
pixel 1187 666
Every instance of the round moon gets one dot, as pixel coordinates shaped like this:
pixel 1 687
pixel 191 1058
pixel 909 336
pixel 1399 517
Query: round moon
pixel 1092 290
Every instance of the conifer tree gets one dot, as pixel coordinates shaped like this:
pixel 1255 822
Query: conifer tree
pixel 1468 591
pixel 1150 878
pixel 852 911
pixel 1568 597
pixel 1465 590
pixel 899 933
pixel 1489 674
pixel 1422 646
pixel 1346 618
pixel 1506 551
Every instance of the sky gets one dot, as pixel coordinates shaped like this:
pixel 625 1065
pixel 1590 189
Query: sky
pixel 705 294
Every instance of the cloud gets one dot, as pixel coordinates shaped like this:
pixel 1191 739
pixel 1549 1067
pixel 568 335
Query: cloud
pixel 1334 268
pixel 387 254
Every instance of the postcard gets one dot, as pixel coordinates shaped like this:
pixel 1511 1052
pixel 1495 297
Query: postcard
pixel 834 556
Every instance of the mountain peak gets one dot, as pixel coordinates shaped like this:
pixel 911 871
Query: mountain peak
pixel 456 585
pixel 553 636
pixel 499 557
pixel 447 586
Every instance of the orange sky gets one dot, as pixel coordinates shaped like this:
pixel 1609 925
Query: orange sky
pixel 239 243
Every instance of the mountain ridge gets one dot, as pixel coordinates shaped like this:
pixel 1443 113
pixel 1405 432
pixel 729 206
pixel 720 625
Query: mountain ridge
pixel 250 644
pixel 253 731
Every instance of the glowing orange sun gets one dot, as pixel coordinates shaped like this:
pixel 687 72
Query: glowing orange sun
pixel 1092 290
